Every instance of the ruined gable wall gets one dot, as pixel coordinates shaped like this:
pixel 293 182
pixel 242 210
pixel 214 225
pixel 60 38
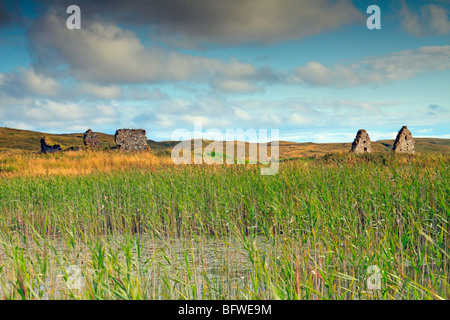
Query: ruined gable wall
pixel 362 142
pixel 131 139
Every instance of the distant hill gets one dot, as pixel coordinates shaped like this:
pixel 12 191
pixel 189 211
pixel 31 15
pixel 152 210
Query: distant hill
pixel 30 141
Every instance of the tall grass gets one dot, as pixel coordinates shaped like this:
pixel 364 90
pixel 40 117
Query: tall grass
pixel 157 231
pixel 76 163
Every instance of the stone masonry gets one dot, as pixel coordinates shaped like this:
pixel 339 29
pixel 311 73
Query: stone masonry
pixel 362 142
pixel 90 139
pixel 47 147
pixel 131 140
pixel 404 143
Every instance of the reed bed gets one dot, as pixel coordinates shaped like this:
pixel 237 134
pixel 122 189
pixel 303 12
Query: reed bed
pixel 137 227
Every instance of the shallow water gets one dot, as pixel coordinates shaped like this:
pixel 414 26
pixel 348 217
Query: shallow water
pixel 198 262
pixel 210 268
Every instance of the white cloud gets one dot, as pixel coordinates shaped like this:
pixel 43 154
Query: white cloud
pixel 235 86
pixel 50 111
pixel 101 92
pixel 242 115
pixel 297 119
pixel 28 82
pixel 376 136
pixel 429 20
pixel 40 84
pixel 50 115
pixel 315 73
pixel 143 93
pixel 317 137
pixel 396 66
pixel 105 53
pixel 425 131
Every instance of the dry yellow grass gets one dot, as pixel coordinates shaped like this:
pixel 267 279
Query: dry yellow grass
pixel 75 163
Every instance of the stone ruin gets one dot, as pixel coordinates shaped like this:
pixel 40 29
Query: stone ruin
pixel 404 143
pixel 48 146
pixel 131 140
pixel 362 142
pixel 90 139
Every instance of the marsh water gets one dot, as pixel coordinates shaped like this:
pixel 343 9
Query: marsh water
pixel 155 268
pixel 55 265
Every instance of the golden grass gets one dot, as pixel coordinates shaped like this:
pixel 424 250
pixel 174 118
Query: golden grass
pixel 76 163
pixel 84 162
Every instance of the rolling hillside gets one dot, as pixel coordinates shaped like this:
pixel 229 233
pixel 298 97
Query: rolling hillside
pixel 30 141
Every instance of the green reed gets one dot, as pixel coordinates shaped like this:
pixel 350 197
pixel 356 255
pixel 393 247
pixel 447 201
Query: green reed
pixel 312 231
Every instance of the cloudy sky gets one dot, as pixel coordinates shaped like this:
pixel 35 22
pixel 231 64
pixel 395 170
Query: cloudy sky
pixel 310 68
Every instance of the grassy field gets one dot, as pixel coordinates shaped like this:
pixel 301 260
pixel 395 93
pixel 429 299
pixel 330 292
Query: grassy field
pixel 137 227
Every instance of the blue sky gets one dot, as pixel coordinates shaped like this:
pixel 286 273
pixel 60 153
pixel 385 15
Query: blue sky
pixel 310 68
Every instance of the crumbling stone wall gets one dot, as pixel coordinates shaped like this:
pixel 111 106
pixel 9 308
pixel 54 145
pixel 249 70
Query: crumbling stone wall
pixel 48 146
pixel 404 143
pixel 362 142
pixel 131 139
pixel 90 139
